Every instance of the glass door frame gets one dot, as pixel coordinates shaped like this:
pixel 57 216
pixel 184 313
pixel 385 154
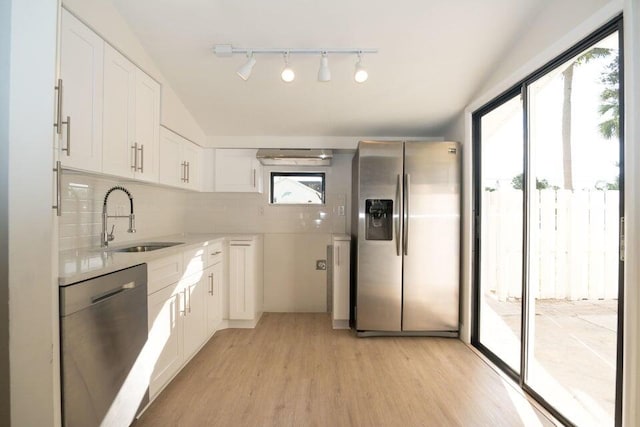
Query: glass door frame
pixel 521 89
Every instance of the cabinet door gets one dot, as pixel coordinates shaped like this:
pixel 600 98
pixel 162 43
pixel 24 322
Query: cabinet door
pixel 195 312
pixel 165 344
pixel 237 171
pixel 147 126
pixel 118 153
pixel 81 71
pixel 241 281
pixel 213 276
pixel 191 155
pixel 341 260
pixel 170 163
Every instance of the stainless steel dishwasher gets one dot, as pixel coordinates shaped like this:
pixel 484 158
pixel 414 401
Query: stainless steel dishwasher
pixel 103 333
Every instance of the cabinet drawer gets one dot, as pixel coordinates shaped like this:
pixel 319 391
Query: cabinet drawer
pixel 195 260
pixel 163 272
pixel 214 253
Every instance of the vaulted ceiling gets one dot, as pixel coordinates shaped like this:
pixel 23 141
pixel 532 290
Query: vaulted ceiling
pixel 433 56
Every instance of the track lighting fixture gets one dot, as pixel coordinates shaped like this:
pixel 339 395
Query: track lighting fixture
pixel 245 71
pixel 324 73
pixel 361 75
pixel 287 74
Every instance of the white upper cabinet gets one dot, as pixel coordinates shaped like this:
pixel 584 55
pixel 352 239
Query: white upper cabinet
pixel 179 161
pixel 131 119
pixel 147 126
pixel 238 171
pixel 81 72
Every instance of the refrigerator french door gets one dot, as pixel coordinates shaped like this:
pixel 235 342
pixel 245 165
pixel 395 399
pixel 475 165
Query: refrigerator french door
pixel 407 232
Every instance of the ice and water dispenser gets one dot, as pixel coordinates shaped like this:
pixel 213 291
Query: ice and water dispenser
pixel 379 219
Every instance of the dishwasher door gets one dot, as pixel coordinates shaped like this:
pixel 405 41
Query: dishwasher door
pixel 103 332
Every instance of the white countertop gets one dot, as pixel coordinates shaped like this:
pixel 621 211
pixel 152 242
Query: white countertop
pixel 82 264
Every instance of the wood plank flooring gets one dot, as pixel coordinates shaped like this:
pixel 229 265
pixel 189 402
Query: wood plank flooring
pixel 294 370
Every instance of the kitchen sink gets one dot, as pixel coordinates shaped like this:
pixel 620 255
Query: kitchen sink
pixel 146 247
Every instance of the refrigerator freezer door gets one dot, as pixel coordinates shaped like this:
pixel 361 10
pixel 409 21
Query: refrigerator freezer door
pixel 379 261
pixel 432 229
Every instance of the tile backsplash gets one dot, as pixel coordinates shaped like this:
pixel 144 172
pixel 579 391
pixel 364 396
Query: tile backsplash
pixel 252 212
pixel 163 211
pixel 158 211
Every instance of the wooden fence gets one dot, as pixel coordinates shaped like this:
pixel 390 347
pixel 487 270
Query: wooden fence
pixel 573 244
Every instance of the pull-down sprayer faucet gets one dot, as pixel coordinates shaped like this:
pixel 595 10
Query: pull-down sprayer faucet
pixel 108 237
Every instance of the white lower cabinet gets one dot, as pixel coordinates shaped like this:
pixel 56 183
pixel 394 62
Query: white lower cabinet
pixel 184 308
pixel 213 300
pixel 341 276
pixel 245 279
pixel 193 313
pixel 165 336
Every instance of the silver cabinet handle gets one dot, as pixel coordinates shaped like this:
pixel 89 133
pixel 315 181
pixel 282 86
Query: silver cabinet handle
pixel 184 302
pixel 254 177
pixel 141 149
pixel 397 215
pixel 189 298
pixel 188 171
pixel 68 147
pixel 134 147
pixel 407 208
pixel 338 256
pixel 216 253
pixel 58 172
pixel 211 284
pixel 182 171
pixel 58 122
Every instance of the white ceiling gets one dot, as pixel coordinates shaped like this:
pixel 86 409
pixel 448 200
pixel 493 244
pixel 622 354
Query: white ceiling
pixel 433 56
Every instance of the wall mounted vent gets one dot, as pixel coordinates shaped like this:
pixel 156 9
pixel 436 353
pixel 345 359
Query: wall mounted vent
pixel 294 157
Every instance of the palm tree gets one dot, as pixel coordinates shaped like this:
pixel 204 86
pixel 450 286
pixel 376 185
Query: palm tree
pixel 611 104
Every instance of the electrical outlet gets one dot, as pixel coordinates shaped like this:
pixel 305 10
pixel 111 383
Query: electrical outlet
pixel 321 264
pixel 341 210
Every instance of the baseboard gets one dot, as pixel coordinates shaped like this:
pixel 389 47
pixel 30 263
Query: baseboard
pixel 341 324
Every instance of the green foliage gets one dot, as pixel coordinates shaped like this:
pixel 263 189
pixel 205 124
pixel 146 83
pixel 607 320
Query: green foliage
pixel 610 98
pixel 541 184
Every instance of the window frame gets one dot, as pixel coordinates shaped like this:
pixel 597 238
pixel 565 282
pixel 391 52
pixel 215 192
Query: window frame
pixel 274 174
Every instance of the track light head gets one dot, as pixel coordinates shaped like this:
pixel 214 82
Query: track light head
pixel 361 75
pixel 287 72
pixel 324 73
pixel 245 70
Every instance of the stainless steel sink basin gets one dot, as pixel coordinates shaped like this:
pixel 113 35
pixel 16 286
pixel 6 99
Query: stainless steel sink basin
pixel 146 247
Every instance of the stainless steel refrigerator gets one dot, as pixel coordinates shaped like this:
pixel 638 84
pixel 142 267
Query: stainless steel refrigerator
pixel 406 234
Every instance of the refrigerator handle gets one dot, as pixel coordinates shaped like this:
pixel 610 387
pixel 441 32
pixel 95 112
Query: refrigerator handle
pixel 407 191
pixel 397 215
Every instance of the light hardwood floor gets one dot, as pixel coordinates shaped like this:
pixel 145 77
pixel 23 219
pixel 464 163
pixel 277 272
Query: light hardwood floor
pixel 294 370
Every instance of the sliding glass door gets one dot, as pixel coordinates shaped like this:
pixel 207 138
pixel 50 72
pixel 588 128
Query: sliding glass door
pixel 500 177
pixel 548 199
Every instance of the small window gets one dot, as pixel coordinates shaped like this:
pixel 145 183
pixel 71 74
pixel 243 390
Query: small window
pixel 297 188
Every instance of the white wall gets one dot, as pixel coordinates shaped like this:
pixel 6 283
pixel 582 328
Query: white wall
pixel 295 236
pixel 32 287
pixel 105 20
pixel 159 211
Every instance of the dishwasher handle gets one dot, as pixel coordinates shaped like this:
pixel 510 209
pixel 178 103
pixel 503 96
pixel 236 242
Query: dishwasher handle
pixel 113 292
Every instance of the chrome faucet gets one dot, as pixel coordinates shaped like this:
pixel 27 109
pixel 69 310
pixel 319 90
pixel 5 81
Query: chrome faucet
pixel 108 237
